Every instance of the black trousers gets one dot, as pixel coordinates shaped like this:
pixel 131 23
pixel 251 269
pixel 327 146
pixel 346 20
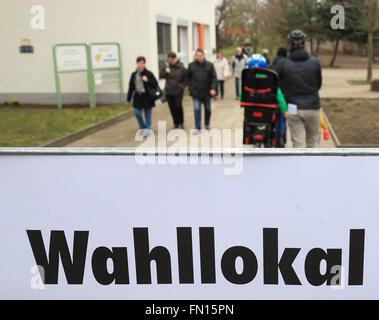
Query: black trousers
pixel 220 83
pixel 176 108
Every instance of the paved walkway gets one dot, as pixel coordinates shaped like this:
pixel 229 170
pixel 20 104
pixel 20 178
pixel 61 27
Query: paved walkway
pixel 336 84
pixel 226 114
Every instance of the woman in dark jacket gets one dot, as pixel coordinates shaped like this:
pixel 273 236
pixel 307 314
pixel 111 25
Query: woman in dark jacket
pixel 175 75
pixel 141 82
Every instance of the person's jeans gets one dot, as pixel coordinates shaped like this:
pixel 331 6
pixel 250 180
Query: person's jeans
pixel 207 110
pixel 221 85
pixel 141 121
pixel 176 108
pixel 237 87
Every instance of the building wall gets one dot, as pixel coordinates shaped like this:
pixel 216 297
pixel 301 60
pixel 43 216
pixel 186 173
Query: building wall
pixel 30 77
pixel 195 11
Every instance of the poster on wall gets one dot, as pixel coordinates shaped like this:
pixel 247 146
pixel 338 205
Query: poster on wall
pixel 105 56
pixel 71 58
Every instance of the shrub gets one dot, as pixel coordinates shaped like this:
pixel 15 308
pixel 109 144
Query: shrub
pixel 15 101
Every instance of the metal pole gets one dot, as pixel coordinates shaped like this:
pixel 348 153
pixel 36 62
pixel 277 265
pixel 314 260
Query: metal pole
pixel 122 95
pixel 190 152
pixel 57 83
pixel 90 79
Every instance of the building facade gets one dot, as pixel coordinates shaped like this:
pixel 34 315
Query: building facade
pixel 150 28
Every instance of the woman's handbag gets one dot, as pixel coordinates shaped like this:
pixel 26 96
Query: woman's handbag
pixel 155 93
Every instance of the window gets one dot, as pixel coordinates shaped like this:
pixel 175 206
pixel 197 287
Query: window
pixel 183 45
pixel 195 37
pixel 164 43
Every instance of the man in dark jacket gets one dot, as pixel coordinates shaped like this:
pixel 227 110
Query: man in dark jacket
pixel 301 81
pixel 202 83
pixel 175 75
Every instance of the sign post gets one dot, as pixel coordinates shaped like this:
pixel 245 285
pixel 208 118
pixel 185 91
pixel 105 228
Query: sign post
pixel 70 58
pixel 105 59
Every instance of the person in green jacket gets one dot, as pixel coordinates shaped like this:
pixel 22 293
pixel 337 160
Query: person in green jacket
pixel 283 106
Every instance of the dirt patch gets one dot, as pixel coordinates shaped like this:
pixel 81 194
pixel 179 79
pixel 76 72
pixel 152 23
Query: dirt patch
pixel 355 121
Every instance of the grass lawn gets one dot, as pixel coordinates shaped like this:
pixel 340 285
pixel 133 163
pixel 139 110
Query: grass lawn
pixel 32 126
pixel 229 51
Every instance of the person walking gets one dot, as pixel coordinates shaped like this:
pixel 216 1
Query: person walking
pixel 266 55
pixel 202 83
pixel 222 70
pixel 239 63
pixel 175 75
pixel 282 54
pixel 141 82
pixel 301 81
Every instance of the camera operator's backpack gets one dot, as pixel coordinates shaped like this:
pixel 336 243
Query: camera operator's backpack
pixel 262 115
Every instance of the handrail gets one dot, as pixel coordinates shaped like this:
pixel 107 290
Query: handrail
pixel 190 152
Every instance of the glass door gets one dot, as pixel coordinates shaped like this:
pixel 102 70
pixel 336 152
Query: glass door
pixel 183 45
pixel 164 43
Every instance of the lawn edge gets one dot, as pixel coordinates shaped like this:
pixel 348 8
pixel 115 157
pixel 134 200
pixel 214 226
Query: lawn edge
pixel 332 132
pixel 82 133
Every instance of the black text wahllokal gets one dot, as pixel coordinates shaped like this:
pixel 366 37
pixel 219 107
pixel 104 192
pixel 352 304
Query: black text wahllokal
pixel 74 264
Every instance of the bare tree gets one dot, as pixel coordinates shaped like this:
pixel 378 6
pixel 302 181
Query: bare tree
pixel 222 11
pixel 372 17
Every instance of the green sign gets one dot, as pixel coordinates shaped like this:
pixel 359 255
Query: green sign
pixel 98 60
pixel 106 65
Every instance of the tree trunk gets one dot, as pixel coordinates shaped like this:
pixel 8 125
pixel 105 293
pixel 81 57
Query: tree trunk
pixel 370 49
pixel 317 48
pixel 370 43
pixel 335 52
pixel 256 43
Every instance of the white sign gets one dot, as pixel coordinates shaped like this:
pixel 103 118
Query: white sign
pixel 287 228
pixel 98 79
pixel 292 109
pixel 71 58
pixel 105 56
